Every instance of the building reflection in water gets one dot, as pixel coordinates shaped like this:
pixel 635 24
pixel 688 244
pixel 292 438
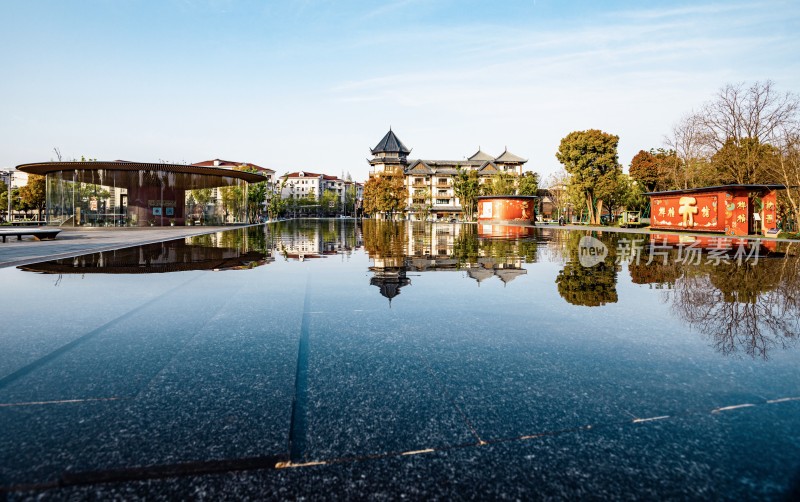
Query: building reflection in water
pixel 306 239
pixel 396 248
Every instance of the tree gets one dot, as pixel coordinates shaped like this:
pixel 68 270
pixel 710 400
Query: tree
pixel 646 169
pixel 384 194
pixel 4 198
pixel 256 194
pixel 786 170
pixel 725 142
pixel 276 206
pixel 421 203
pixel 500 184
pixel 556 185
pixel 634 198
pixel 744 161
pixel 18 203
pixel 34 194
pixel 329 202
pixel 528 183
pixel 350 195
pixel 590 157
pixel 617 191
pixel 232 201
pixel 756 111
pixel 467 186
pixel 201 197
pixel 689 142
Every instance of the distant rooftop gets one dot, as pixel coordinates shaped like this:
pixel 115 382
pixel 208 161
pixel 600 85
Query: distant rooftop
pixel 507 156
pixel 480 155
pixel 228 164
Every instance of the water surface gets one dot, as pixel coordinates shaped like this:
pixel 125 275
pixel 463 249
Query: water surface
pixel 425 359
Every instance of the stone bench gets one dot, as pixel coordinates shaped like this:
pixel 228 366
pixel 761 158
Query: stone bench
pixel 39 234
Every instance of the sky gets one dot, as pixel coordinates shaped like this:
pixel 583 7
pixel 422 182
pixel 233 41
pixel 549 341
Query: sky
pixel 313 85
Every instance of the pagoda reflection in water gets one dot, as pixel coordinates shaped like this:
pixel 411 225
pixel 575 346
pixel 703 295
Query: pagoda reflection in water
pixel 396 248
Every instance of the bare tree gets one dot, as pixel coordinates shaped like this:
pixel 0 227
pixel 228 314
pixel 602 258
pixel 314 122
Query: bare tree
pixel 690 143
pixel 557 184
pixel 786 169
pixel 757 111
pixel 726 141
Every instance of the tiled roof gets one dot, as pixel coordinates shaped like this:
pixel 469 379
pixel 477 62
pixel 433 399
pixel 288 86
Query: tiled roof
pixel 305 174
pixel 391 144
pixel 481 155
pixel 419 167
pixel 510 157
pixel 230 165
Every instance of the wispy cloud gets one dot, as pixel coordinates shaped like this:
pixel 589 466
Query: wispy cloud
pixel 391 7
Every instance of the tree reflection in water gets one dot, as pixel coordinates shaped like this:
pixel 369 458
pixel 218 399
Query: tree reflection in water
pixel 588 286
pixel 746 309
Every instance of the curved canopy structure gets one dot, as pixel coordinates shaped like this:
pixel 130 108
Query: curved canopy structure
pixel 123 193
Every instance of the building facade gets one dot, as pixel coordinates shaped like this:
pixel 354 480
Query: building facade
pixel 429 184
pixel 306 184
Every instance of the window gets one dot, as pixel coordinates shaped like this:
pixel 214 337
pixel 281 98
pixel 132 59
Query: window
pixel 442 201
pixel 442 192
pixel 442 181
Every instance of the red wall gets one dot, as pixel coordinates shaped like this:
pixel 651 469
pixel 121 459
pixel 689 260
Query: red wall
pixel 729 211
pixel 506 209
pixel 709 216
pixel 504 231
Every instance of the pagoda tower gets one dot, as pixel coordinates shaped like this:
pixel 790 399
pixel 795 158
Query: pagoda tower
pixel 390 155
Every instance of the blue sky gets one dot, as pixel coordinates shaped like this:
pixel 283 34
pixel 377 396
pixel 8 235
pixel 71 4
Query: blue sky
pixel 313 85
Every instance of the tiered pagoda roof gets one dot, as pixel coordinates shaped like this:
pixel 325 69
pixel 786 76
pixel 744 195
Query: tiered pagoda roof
pixel 390 144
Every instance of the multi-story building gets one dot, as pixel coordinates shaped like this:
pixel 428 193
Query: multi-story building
pixel 430 183
pixel 302 184
pixel 227 164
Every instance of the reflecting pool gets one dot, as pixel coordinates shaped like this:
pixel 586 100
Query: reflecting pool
pixel 331 357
